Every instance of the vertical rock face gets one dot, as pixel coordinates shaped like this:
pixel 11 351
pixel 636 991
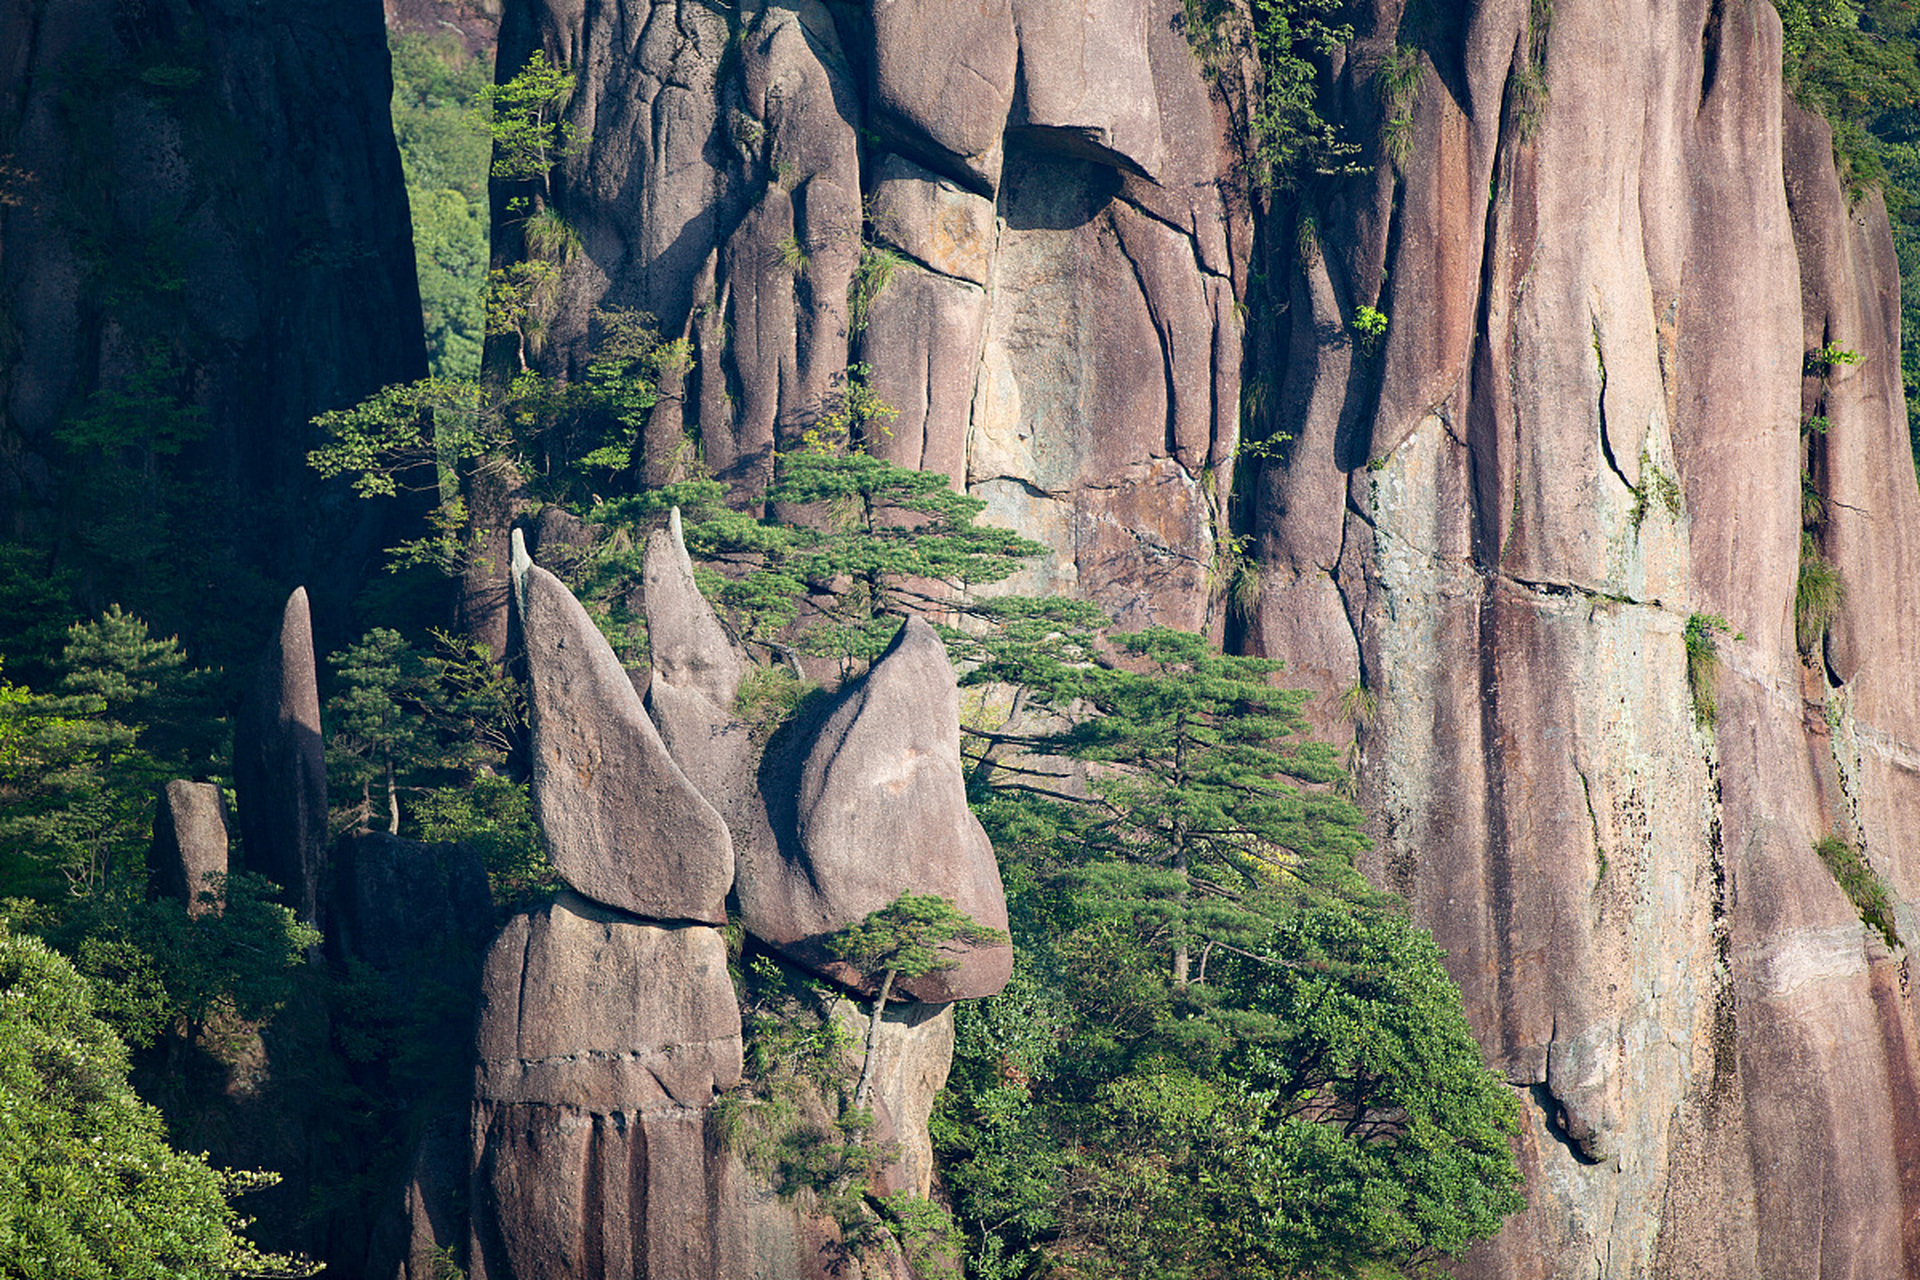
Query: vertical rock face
pixel 204 216
pixel 280 765
pixel 1046 183
pixel 1581 431
pixel 602 1042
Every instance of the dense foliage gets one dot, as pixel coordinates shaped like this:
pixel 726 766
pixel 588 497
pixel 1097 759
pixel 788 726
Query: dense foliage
pixel 438 91
pixel 89 1189
pixel 1222 1053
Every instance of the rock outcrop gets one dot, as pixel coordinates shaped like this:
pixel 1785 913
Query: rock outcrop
pixel 189 841
pixel 609 1025
pixel 1581 430
pixel 280 765
pixel 621 822
pixel 881 810
pixel 1051 189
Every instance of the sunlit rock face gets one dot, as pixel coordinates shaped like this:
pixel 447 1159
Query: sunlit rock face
pixel 609 1025
pixel 1048 188
pixel 1582 430
pixel 1488 533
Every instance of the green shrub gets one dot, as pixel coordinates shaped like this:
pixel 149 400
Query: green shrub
pixel 1703 665
pixel 1817 598
pixel 1862 885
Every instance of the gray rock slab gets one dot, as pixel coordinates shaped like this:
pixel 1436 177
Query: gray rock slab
pixel 189 840
pixel 622 823
pixel 881 810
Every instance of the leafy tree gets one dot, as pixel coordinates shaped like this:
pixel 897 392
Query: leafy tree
pixel 168 971
pixel 437 93
pixel 1196 809
pixel 1222 1053
pixel 78 767
pixel 380 717
pixel 529 135
pixel 909 938
pixel 88 1186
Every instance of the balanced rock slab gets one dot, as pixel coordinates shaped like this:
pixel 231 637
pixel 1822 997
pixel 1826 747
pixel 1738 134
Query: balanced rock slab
pixel 881 810
pixel 622 823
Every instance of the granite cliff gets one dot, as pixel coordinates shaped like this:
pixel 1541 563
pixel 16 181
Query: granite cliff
pixel 203 243
pixel 1610 251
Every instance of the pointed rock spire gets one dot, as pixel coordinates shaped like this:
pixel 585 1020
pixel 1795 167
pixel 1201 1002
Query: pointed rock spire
pixel 622 823
pixel 280 765
pixel 882 810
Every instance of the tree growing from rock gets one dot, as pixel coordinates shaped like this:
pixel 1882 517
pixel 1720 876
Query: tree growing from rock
pixel 1222 1053
pixel 914 935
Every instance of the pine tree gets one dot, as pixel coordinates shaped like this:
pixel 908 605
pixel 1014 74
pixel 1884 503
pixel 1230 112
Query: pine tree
pixel 912 936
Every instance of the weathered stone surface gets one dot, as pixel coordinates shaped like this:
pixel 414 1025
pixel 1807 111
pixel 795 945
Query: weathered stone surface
pixel 189 840
pixel 602 1041
pixel 691 650
pixel 621 822
pixel 912 1059
pixel 1056 350
pixel 1577 447
pixel 942 226
pixel 944 78
pixel 1083 72
pixel 428 1213
pixel 393 899
pixel 1583 429
pixel 280 765
pixel 881 810
pixel 586 1007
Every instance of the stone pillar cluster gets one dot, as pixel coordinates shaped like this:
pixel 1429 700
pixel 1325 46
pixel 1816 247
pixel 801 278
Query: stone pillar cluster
pixel 608 1020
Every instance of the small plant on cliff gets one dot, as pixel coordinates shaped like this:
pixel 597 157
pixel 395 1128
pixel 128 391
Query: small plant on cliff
pixel 870 279
pixel 1704 665
pixel 1862 885
pixel 1398 85
pixel 913 936
pixel 1369 325
pixel 1818 595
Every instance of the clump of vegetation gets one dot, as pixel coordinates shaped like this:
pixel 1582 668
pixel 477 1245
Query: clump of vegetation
pixel 1862 885
pixel 1704 664
pixel 1656 485
pixel 437 90
pixel 1818 595
pixel 1369 325
pixel 89 1188
pixel 1204 987
pixel 870 279
pixel 1398 86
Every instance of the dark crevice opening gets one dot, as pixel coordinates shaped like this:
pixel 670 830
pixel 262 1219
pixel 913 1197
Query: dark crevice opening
pixel 1555 1116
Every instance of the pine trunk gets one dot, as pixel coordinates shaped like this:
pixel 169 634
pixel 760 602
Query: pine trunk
pixel 873 1042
